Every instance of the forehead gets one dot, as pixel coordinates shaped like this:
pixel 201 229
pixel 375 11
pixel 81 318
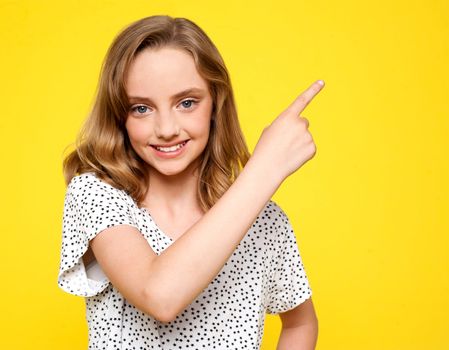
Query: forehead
pixel 161 72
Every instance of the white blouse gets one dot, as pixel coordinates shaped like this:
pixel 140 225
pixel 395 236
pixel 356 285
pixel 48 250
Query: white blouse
pixel 265 274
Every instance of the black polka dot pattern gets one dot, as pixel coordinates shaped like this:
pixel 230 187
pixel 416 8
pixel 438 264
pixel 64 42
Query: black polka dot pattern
pixel 265 274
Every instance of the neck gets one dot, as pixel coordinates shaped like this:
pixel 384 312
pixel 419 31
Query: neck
pixel 172 194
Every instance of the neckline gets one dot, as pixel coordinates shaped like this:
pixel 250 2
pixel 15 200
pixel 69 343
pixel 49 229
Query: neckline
pixel 147 212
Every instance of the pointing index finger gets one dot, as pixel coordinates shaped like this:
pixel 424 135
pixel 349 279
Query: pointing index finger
pixel 301 102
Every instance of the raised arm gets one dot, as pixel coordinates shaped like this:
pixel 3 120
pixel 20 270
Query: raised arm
pixel 165 285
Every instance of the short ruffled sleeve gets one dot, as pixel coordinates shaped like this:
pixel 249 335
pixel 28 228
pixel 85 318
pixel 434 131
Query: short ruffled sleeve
pixel 289 285
pixel 90 206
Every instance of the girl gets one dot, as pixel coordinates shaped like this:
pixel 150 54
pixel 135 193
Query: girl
pixel 169 231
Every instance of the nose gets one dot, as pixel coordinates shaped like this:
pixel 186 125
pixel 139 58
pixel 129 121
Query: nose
pixel 166 125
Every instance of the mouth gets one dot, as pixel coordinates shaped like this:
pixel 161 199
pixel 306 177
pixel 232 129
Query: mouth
pixel 172 150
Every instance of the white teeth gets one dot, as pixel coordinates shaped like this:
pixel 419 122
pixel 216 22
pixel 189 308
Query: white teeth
pixel 170 149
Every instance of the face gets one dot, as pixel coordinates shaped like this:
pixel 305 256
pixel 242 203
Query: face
pixel 169 119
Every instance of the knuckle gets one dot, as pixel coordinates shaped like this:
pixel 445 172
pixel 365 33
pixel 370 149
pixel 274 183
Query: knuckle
pixel 302 99
pixel 280 117
pixel 304 121
pixel 308 137
pixel 313 148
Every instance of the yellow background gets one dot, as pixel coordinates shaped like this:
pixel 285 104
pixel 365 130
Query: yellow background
pixel 370 210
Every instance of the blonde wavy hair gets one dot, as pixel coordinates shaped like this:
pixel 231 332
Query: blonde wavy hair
pixel 103 146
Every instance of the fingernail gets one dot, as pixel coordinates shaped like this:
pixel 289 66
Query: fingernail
pixel 321 82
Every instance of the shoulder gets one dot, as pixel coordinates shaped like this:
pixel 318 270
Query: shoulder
pixel 88 186
pixel 272 218
pixel 90 182
pixel 86 181
pixel 91 205
pixel 273 212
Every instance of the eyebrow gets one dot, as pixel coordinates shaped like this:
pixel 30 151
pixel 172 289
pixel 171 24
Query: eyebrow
pixel 174 97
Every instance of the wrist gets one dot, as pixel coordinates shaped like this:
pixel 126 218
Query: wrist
pixel 267 173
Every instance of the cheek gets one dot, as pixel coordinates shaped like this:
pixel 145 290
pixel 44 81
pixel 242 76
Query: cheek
pixel 202 123
pixel 137 132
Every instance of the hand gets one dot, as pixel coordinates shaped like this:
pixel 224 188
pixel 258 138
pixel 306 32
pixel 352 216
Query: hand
pixel 286 144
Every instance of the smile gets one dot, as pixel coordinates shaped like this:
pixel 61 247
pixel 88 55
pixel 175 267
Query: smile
pixel 172 148
pixel 171 151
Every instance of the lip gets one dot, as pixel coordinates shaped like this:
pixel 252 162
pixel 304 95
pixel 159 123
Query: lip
pixel 169 144
pixel 168 155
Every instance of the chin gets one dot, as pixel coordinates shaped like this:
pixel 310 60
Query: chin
pixel 168 172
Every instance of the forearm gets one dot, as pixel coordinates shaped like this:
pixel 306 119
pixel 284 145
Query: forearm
pixel 303 337
pixel 188 266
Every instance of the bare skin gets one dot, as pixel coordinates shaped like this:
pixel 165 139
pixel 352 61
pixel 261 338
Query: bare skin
pixel 164 285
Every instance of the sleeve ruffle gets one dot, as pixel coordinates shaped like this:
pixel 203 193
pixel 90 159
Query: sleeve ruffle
pixel 289 285
pixel 90 206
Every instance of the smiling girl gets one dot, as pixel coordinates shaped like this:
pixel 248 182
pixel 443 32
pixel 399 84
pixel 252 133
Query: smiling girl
pixel 169 230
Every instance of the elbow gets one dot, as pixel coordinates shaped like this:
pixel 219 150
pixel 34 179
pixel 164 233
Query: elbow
pixel 158 306
pixel 165 315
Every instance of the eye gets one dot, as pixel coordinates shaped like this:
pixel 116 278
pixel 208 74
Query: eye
pixel 189 103
pixel 140 110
